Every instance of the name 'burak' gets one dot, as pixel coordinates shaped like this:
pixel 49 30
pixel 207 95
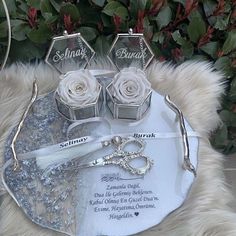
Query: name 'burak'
pixel 124 53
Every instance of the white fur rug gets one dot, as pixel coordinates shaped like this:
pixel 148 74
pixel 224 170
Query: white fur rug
pixel 196 89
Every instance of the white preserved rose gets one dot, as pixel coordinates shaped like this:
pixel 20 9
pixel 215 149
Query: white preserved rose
pixel 130 86
pixel 78 88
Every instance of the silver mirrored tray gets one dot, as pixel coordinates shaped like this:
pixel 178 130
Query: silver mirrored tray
pixel 103 200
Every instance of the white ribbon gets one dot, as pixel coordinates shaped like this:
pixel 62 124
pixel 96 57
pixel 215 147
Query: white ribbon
pixel 89 120
pixel 88 139
pixel 56 147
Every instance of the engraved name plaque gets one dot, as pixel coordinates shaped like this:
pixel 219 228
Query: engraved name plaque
pixel 130 50
pixel 69 52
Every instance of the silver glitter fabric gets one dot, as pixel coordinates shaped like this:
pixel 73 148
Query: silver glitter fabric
pixel 48 197
pixel 43 126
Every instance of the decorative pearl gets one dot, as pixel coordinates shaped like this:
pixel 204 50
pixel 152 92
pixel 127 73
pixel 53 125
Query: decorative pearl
pixel 117 140
pixel 105 143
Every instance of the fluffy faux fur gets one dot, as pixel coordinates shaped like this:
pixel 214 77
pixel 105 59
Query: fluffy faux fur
pixel 196 88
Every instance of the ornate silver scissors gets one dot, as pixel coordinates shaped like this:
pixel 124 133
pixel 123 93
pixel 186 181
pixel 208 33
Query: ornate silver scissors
pixel 121 157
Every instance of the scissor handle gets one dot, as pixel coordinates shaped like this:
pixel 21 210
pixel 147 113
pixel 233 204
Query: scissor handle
pixel 131 140
pixel 125 157
pixel 124 162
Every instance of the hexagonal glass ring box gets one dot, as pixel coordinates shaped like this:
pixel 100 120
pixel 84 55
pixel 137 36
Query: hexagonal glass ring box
pixel 130 50
pixel 127 111
pixel 83 112
pixel 67 54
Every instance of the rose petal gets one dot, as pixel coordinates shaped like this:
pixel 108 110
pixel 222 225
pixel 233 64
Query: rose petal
pixel 78 88
pixel 130 86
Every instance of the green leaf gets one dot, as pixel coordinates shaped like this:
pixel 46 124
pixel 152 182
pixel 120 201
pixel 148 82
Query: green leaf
pixel 34 3
pixel 3 29
pixel 187 49
pixel 111 8
pixel 23 7
pixel 158 37
pixel 50 18
pixel 230 43
pixel 232 92
pixel 224 64
pixel 210 48
pixel 209 6
pixel 11 6
pixel 116 8
pixel 102 46
pixel 148 28
pixel 40 35
pixel 20 29
pixel 25 51
pixel 19 32
pixel 178 38
pixel 186 46
pixel 88 33
pixel 99 3
pixel 230 148
pixel 56 4
pixel 200 58
pixel 222 22
pixel 183 2
pixel 70 9
pixel 164 17
pixel 196 27
pixel 45 6
pixel 228 117
pixel 148 4
pixel 122 12
pixel 155 49
pixel 221 137
pixel 106 20
pixel 228 6
pixel 142 4
pixel 135 6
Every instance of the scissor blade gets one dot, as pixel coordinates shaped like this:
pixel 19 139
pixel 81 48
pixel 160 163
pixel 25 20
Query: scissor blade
pixel 94 163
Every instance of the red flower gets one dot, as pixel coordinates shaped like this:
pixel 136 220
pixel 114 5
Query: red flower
pixel 161 58
pixel 206 37
pixel 139 25
pixel 233 15
pixel 220 53
pixel 177 53
pixel 156 6
pixel 220 8
pixel 190 5
pixel 68 24
pixel 234 63
pixel 32 17
pixel 117 21
pixel 100 26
